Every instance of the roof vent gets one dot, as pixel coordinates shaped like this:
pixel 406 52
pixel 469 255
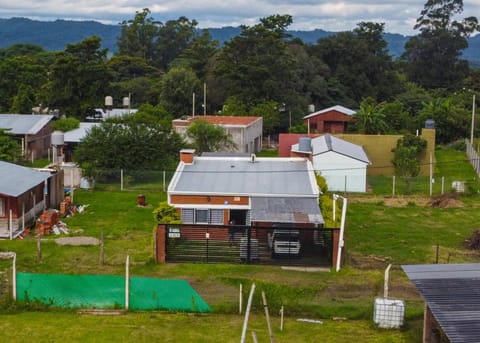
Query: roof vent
pixel 253 158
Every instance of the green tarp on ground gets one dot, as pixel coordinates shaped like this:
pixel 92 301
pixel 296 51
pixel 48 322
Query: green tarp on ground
pixel 107 291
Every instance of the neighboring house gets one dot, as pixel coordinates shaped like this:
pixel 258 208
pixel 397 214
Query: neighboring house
pixel 24 193
pixel 452 300
pixel 330 120
pixel 246 190
pixel 32 131
pixel 73 137
pixel 341 163
pixel 102 114
pixel 246 132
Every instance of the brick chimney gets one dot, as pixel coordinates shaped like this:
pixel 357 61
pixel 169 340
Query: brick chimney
pixel 186 155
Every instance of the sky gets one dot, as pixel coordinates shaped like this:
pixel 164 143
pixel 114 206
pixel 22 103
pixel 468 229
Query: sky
pixel 398 15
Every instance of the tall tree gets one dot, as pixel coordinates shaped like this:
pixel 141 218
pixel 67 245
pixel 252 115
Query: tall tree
pixel 138 36
pixel 434 56
pixel 257 65
pixel 359 64
pixel 173 38
pixel 177 89
pixel 79 77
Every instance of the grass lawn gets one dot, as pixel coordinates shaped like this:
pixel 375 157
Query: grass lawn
pixel 380 229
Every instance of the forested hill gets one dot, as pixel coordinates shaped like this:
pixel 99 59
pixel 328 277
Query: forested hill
pixel 55 35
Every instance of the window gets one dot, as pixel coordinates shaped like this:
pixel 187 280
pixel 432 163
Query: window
pixel 2 207
pixel 201 216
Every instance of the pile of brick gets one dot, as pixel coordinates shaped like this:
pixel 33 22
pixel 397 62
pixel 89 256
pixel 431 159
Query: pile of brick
pixel 66 206
pixel 46 221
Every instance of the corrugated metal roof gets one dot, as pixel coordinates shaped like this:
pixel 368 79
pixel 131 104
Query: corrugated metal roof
pixel 16 180
pixel 76 135
pixel 327 142
pixel 337 108
pixel 452 292
pixel 286 210
pixel 239 176
pixel 24 124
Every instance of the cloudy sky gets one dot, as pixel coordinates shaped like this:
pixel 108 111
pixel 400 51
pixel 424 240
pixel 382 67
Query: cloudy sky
pixel 332 15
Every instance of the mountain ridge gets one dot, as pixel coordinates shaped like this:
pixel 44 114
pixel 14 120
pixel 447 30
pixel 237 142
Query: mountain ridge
pixel 55 35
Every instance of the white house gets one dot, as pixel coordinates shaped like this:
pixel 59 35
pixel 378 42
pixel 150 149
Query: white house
pixel 341 163
pixel 246 132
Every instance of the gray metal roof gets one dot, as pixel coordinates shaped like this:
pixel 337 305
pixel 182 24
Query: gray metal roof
pixel 452 291
pixel 239 176
pixel 16 180
pixel 337 108
pixel 24 124
pixel 76 135
pixel 286 210
pixel 327 142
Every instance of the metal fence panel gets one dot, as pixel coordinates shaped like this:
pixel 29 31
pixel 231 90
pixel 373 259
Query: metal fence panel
pixel 249 244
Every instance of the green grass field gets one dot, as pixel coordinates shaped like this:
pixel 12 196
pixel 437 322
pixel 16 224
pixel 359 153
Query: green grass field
pixel 380 229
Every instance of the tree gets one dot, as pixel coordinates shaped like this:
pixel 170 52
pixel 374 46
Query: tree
pixel 406 157
pixel 257 65
pixel 138 36
pixel 177 88
pixel 433 58
pixel 360 63
pixel 166 214
pixel 173 38
pixel 370 118
pixel 10 150
pixel 209 137
pixel 269 110
pixel 135 145
pixel 66 124
pixel 451 121
pixel 79 77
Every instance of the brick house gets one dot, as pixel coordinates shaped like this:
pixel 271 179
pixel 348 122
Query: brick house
pixel 329 120
pixel 246 132
pixel 217 190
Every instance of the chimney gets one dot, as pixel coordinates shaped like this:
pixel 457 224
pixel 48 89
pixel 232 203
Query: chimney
pixel 186 155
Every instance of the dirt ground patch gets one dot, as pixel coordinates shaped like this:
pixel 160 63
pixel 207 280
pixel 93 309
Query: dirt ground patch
pixel 400 201
pixel 80 240
pixel 447 200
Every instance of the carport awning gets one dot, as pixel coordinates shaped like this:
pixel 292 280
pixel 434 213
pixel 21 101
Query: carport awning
pixel 286 210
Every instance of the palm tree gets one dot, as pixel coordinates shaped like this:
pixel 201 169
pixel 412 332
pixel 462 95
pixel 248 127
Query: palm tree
pixel 370 118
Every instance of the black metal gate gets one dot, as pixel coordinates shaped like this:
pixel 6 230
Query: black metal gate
pixel 249 244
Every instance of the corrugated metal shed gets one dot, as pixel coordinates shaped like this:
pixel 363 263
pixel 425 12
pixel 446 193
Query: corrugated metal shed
pixel 452 292
pixel 286 210
pixel 239 176
pixel 16 180
pixel 24 124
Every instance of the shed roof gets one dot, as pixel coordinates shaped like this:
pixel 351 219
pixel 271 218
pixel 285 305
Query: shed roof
pixel 239 176
pixel 24 124
pixel 327 142
pixel 337 108
pixel 76 135
pixel 452 292
pixel 286 210
pixel 16 180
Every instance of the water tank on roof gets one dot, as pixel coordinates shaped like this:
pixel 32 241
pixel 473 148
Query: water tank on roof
pixel 311 108
pixel 57 138
pixel 126 101
pixel 108 101
pixel 429 124
pixel 305 144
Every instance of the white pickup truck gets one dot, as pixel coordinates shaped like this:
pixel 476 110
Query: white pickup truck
pixel 286 243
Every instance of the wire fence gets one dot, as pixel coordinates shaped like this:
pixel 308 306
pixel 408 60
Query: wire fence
pixel 473 157
pixel 130 180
